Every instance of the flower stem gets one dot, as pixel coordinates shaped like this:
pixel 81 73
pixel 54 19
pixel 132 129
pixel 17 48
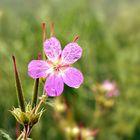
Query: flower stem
pixel 52 29
pixel 43 99
pixel 20 136
pixel 75 38
pixel 38 106
pixel 35 93
pixel 36 86
pixel 44 38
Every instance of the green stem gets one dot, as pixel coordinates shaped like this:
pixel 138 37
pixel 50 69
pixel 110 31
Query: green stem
pixel 38 106
pixel 43 99
pixel 35 94
pixel 20 136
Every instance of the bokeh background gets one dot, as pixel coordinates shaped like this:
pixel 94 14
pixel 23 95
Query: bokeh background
pixel 109 33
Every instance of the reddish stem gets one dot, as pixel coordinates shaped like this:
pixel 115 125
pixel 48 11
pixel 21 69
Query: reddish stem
pixel 44 30
pixel 14 60
pixel 52 29
pixel 39 56
pixel 17 129
pixel 76 38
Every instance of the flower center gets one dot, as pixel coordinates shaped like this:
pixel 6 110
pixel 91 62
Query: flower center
pixel 58 66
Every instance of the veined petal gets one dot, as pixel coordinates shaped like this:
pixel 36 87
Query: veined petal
pixel 52 48
pixel 54 85
pixel 38 68
pixel 72 77
pixel 71 53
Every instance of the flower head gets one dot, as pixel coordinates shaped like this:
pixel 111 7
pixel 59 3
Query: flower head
pixel 110 88
pixel 57 69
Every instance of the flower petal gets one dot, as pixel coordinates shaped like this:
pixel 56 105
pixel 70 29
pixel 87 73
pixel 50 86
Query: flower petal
pixel 54 85
pixel 72 77
pixel 38 68
pixel 52 48
pixel 71 53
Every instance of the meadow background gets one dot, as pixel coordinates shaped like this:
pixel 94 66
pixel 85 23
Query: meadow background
pixel 109 33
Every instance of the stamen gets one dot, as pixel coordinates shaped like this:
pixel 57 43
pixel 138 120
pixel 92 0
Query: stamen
pixel 76 38
pixel 52 29
pixel 44 30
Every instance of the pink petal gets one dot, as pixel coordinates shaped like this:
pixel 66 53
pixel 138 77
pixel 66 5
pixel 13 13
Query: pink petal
pixel 72 77
pixel 52 48
pixel 54 85
pixel 38 68
pixel 71 53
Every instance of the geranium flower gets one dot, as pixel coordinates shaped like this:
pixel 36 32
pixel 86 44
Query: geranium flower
pixel 110 88
pixel 57 69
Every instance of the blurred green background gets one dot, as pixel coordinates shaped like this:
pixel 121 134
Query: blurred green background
pixel 109 33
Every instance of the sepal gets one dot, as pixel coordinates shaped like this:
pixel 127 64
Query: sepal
pixel 29 117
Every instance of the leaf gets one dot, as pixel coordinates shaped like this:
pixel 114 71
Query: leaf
pixel 20 94
pixel 4 135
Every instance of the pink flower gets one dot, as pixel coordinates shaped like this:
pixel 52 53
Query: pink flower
pixel 57 69
pixel 110 88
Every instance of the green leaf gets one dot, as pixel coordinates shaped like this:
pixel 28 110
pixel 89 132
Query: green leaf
pixel 20 94
pixel 4 135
